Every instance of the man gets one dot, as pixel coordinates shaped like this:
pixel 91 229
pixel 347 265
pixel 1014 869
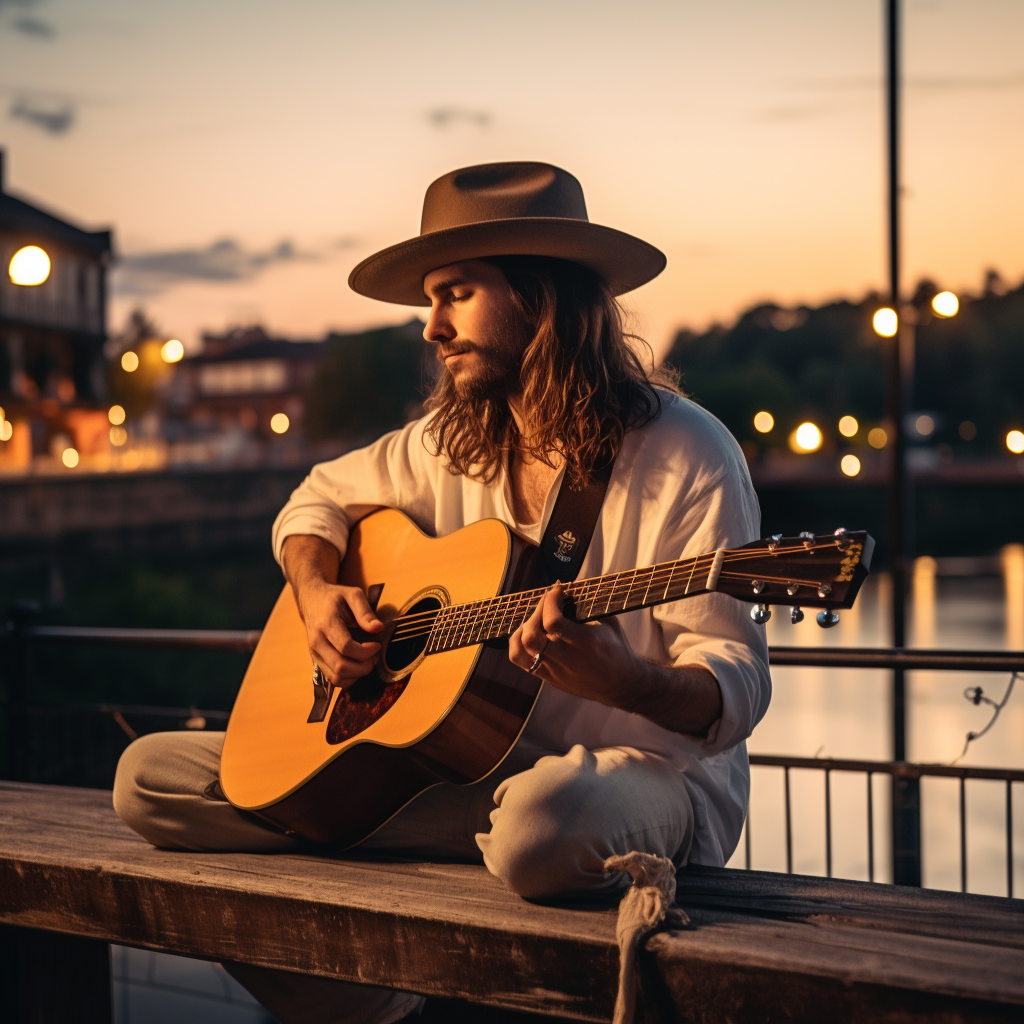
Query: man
pixel 637 741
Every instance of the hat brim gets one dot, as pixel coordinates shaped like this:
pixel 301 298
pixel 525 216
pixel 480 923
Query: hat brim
pixel 396 274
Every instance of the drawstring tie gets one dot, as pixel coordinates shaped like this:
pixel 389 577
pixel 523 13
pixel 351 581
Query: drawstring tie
pixel 645 907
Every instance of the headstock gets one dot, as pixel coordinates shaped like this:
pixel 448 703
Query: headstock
pixel 811 571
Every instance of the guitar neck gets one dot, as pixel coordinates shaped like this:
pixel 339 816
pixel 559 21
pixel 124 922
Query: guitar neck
pixel 497 618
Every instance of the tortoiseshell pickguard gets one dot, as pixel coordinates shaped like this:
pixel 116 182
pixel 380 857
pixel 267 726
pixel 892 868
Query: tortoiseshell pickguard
pixel 358 707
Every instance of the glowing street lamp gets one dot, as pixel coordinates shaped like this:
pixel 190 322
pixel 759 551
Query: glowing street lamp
pixel 172 351
pixel 945 304
pixel 850 465
pixel 806 438
pixel 29 266
pixel 848 426
pixel 885 322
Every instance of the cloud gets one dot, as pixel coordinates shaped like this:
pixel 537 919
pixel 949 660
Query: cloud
pixel 35 27
pixel 52 114
pixel 792 113
pixel 443 117
pixel 154 272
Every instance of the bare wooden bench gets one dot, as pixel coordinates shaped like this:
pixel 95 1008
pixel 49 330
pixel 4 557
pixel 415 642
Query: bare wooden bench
pixel 762 948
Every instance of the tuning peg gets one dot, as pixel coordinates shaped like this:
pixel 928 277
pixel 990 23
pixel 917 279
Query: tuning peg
pixel 796 615
pixel 842 541
pixel 827 618
pixel 760 613
pixel 808 538
pixel 773 542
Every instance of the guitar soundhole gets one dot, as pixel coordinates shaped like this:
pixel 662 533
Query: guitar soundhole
pixel 408 643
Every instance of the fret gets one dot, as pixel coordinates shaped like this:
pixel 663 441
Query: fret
pixel 436 632
pixel 668 586
pixel 689 579
pixel 629 590
pixel 650 583
pixel 611 593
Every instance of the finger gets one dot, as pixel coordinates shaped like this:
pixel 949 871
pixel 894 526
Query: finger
pixel 533 634
pixel 356 651
pixel 556 626
pixel 360 606
pixel 517 653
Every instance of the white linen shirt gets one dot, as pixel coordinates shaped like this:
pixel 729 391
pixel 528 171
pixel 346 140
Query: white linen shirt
pixel 679 488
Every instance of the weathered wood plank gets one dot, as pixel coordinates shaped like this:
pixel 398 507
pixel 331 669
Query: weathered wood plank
pixel 763 948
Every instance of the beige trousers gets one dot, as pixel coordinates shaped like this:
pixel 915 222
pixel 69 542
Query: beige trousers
pixel 543 823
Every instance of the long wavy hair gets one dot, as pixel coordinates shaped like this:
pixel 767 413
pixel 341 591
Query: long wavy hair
pixel 582 381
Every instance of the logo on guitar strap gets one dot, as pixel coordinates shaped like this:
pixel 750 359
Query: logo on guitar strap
pixel 566 542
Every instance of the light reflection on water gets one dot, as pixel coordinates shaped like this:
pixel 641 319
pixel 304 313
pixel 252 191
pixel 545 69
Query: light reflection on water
pixel 846 713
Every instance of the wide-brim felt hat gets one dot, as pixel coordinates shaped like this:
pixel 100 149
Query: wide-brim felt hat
pixel 505 209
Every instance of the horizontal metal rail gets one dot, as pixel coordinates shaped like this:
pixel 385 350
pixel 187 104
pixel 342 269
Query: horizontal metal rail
pixel 899 657
pixel 209 639
pixel 903 769
pixel 811 657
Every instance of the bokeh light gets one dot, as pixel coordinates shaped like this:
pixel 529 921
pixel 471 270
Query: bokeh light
pixel 945 304
pixel 848 426
pixel 172 351
pixel 116 415
pixel 763 422
pixel 885 322
pixel 118 436
pixel 806 438
pixel 29 266
pixel 878 438
pixel 6 430
pixel 69 457
pixel 967 430
pixel 850 465
pixel 129 362
pixel 1015 441
pixel 924 425
pixel 279 423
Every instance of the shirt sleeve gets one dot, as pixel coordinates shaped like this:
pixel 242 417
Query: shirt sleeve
pixel 714 630
pixel 396 471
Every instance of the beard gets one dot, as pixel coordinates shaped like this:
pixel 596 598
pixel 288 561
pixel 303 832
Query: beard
pixel 496 378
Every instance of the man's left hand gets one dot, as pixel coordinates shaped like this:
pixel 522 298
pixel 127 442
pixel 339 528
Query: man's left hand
pixel 591 660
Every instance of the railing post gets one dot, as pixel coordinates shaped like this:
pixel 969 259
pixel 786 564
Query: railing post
pixel 906 830
pixel 18 670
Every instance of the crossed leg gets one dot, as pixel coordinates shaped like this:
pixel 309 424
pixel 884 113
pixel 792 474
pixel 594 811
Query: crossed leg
pixel 545 831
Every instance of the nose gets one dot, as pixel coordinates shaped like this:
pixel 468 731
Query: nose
pixel 438 327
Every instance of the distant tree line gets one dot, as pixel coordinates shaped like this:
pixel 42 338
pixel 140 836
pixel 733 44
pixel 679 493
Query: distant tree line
pixel 820 363
pixel 369 383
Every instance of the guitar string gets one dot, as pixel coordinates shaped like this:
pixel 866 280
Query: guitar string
pixel 582 589
pixel 463 614
pixel 733 555
pixel 449 627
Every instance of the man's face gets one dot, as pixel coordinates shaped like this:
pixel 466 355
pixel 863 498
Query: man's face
pixel 479 336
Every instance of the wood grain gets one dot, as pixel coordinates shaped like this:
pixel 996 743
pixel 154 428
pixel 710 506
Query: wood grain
pixel 764 947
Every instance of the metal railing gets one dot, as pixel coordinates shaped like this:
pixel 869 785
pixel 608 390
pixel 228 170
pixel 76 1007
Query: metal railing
pixel 895 769
pixel 21 634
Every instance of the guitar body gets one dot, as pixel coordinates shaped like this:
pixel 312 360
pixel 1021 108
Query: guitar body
pixel 334 770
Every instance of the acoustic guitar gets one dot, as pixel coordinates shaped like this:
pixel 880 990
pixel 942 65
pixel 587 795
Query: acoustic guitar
pixel 444 703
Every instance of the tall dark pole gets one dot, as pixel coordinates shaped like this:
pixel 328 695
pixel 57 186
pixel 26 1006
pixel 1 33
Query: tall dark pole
pixel 906 802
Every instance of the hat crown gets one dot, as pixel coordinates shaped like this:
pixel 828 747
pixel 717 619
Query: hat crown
pixel 501 191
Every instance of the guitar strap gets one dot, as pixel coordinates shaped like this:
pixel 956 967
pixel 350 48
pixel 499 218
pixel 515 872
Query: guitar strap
pixel 568 534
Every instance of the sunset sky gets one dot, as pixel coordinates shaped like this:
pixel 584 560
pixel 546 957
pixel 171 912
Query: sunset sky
pixel 247 154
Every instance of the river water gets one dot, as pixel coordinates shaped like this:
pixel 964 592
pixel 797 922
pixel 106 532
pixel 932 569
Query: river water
pixel 846 713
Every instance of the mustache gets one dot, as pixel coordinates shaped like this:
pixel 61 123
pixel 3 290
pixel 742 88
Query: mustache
pixel 457 349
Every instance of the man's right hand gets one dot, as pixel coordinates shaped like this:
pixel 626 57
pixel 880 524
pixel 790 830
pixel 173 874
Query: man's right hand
pixel 330 612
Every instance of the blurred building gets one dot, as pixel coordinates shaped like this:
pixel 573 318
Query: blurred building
pixel 52 377
pixel 244 380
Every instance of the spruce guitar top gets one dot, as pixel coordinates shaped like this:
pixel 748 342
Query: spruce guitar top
pixel 444 704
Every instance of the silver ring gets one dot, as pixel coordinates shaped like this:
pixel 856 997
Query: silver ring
pixel 537 660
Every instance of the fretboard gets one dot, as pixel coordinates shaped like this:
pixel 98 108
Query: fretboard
pixel 496 618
